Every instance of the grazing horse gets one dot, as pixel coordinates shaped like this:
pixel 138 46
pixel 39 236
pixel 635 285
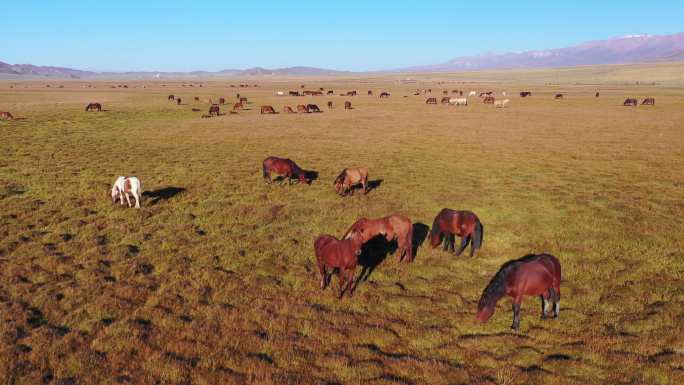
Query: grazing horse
pixel 445 100
pixel 288 110
pixel 330 105
pixel 384 95
pixel 648 102
pixel 302 108
pixel 530 275
pixel 501 103
pixel 267 110
pixel 488 100
pixel 341 255
pixel 347 105
pixel 431 101
pixel 558 96
pixel 123 186
pixel 285 167
pixel 313 108
pixel 331 92
pixel 458 101
pixel 93 107
pixel 351 93
pixel 4 115
pixel 171 98
pixel 597 94
pixel 349 178
pixel 214 109
pixel 525 94
pixel 465 224
pixel 393 227
pixel 630 102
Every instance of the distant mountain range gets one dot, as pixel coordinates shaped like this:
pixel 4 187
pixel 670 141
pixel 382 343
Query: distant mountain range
pixel 621 50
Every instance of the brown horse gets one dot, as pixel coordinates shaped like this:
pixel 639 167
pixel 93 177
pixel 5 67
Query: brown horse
pixel 341 255
pixel 179 101
pixel 450 223
pixel 222 100
pixel 171 98
pixel 630 102
pixel 313 108
pixel 393 227
pixel 197 99
pixel 238 106
pixel 347 105
pixel 648 102
pixel 330 92
pixel 351 93
pixel 530 275
pixel 93 107
pixel 243 100
pixel 597 95
pixel 445 100
pixel 488 100
pixel 214 109
pixel 349 178
pixel 525 94
pixel 288 110
pixel 302 109
pixel 370 93
pixel 4 115
pixel 384 95
pixel 431 101
pixel 330 105
pixel 559 96
pixel 267 110
pixel 285 167
pixel 294 93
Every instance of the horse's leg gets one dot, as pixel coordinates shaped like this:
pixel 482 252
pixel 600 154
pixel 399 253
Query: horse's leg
pixel 544 305
pixel 321 269
pixel 464 243
pixel 555 298
pixel 128 200
pixel 447 238
pixel 516 315
pixel 352 281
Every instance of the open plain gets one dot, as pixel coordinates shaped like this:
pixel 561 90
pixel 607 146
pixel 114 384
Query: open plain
pixel 214 280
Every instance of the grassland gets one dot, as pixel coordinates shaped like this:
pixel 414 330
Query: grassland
pixel 213 281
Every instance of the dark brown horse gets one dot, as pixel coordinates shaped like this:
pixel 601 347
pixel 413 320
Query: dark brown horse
pixel 530 275
pixel 93 107
pixel 285 167
pixel 4 115
pixel 370 93
pixel 347 105
pixel 330 105
pixel 222 100
pixel 214 110
pixel 351 93
pixel 179 101
pixel 197 99
pixel 597 95
pixel 431 101
pixel 525 94
pixel 630 102
pixel 464 224
pixel 384 95
pixel 648 102
pixel 288 110
pixel 267 110
pixel 171 98
pixel 559 96
pixel 293 93
pixel 313 108
pixel 330 92
pixel 393 227
pixel 302 109
pixel 342 256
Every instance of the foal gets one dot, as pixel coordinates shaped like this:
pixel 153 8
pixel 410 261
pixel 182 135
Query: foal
pixel 127 185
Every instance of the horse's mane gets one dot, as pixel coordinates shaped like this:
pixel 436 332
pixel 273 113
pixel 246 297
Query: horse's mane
pixel 497 286
pixel 341 176
pixel 435 227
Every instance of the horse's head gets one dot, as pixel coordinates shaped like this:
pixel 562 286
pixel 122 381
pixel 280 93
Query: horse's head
pixel 435 238
pixel 115 193
pixel 485 310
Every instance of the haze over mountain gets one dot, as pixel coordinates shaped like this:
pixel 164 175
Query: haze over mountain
pixel 620 50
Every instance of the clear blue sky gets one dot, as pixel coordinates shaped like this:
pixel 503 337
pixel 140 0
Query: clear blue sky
pixel 176 35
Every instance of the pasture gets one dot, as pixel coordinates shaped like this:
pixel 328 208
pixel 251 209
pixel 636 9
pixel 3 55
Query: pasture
pixel 214 279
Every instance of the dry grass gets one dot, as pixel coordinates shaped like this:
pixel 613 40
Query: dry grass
pixel 216 283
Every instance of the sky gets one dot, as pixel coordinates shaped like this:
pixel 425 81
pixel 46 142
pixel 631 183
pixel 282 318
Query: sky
pixel 175 35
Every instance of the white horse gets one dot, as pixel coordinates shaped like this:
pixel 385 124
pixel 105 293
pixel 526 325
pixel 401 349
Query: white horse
pixel 123 186
pixel 472 93
pixel 501 103
pixel 280 93
pixel 458 101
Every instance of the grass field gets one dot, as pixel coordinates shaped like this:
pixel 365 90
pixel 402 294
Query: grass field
pixel 214 280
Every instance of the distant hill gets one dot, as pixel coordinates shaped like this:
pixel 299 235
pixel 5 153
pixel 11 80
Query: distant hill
pixel 621 50
pixel 29 69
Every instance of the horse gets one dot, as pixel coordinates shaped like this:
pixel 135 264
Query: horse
pixel 313 108
pixel 347 105
pixel 558 96
pixel 431 101
pixel 93 107
pixel 384 95
pixel 293 93
pixel 330 92
pixel 472 93
pixel 5 115
pixel 351 93
pixel 458 101
pixel 465 224
pixel 525 94
pixel 445 100
pixel 530 275
pixel 286 167
pixel 341 255
pixel 123 186
pixel 501 103
pixel 238 106
pixel 648 102
pixel 597 95
pixel 393 227
pixel 302 109
pixel 214 109
pixel 243 100
pixel 178 101
pixel 349 178
pixel 288 110
pixel 488 100
pixel 630 102
pixel 280 93
pixel 171 98
pixel 222 100
pixel 330 105
pixel 445 92
pixel 267 110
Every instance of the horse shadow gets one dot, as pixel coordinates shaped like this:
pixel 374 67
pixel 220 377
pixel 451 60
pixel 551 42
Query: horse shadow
pixel 163 194
pixel 420 232
pixel 373 253
pixel 311 175
pixel 373 184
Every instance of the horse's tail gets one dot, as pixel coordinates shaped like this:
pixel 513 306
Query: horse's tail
pixel 478 234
